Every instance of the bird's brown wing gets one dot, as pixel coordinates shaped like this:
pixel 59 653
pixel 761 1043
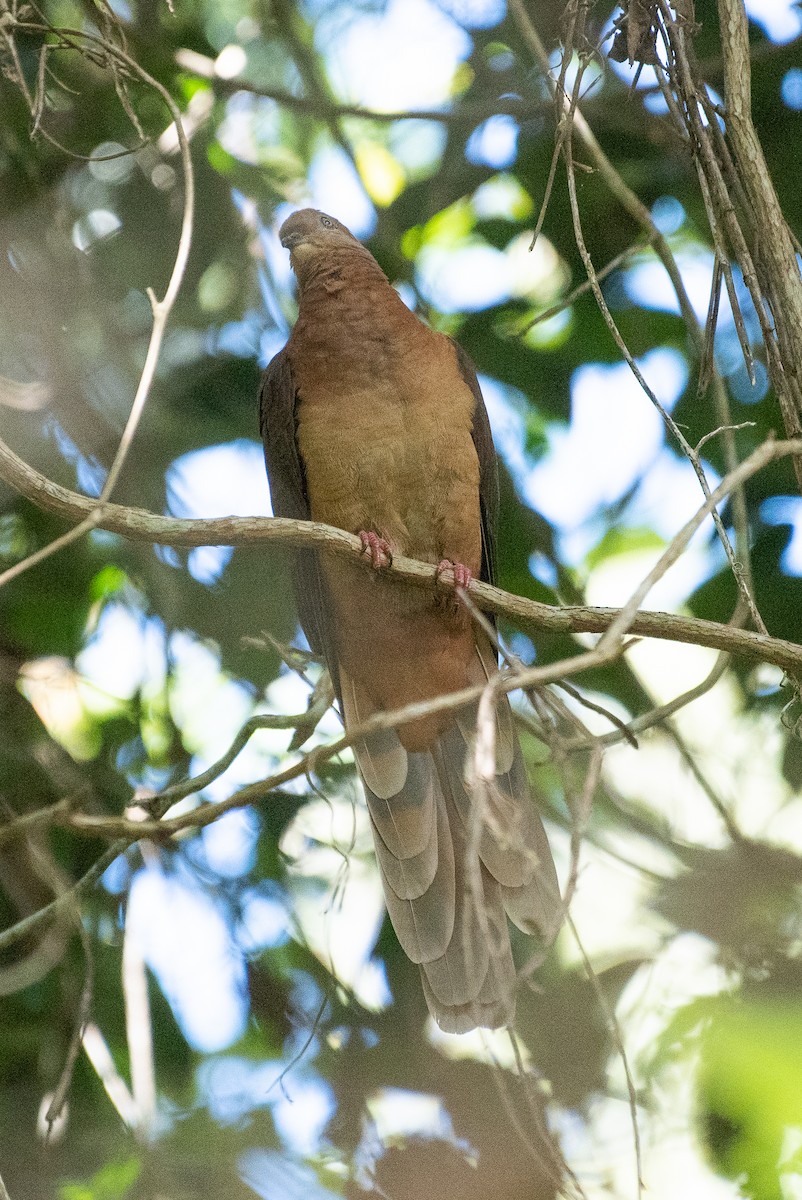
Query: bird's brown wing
pixel 278 399
pixel 446 901
pixel 488 468
pixel 277 402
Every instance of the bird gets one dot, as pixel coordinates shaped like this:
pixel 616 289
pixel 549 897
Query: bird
pixel 375 423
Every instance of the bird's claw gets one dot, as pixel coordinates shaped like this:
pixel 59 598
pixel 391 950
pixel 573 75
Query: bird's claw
pixel 462 574
pixel 379 550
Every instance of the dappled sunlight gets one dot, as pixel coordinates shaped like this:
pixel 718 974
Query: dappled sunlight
pixel 53 687
pixel 336 892
pixel 292 1052
pixel 187 944
pixel 380 59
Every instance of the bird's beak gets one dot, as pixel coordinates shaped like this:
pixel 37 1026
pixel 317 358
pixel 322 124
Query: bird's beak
pixel 291 240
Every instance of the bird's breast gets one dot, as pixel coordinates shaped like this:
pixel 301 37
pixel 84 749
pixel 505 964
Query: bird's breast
pixel 384 428
pixel 385 432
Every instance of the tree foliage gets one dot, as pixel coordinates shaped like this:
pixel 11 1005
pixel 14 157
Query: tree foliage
pixel 688 847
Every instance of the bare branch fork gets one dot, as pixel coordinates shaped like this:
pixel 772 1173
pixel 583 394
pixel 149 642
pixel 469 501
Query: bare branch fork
pixel 569 117
pixel 746 221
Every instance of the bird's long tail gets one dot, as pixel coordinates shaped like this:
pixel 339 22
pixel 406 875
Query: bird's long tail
pixel 454 870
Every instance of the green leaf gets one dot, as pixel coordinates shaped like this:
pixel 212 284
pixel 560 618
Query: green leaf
pixel 748 1085
pixel 114 1181
pixel 620 540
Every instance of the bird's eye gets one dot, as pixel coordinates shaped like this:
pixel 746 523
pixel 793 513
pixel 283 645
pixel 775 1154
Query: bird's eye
pixel 327 222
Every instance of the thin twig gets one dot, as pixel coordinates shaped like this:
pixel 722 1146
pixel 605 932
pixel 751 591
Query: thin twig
pixel 667 418
pixel 638 211
pixel 581 288
pixel 534 1099
pixel 723 429
pixel 296 1058
pixel 615 1030
pixel 59 543
pixel 656 716
pixel 704 783
pixel 81 1020
pixel 187 787
pixel 770 272
pixel 707 361
pixel 68 897
pixel 553 1163
pixel 621 726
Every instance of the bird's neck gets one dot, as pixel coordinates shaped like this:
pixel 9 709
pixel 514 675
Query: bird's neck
pixel 323 274
pixel 346 300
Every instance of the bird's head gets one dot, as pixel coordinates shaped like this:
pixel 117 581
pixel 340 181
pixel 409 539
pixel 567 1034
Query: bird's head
pixel 309 231
pixel 319 243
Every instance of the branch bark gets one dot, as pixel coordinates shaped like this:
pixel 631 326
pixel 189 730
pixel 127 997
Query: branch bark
pixel 140 525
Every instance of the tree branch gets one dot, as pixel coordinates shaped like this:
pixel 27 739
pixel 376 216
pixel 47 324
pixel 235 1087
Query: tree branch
pixel 571 117
pixel 465 114
pixel 140 525
pixel 774 251
pixel 617 624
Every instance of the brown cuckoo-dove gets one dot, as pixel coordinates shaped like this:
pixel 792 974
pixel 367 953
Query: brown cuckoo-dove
pixel 374 423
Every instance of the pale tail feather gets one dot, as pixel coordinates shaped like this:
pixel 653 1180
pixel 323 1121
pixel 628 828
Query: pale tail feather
pixel 407 825
pixel 424 925
pixel 448 911
pixel 382 759
pixel 408 877
pixel 456 977
pixel 494 1004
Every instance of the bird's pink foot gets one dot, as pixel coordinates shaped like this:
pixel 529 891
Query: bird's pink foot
pixel 462 574
pixel 379 550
